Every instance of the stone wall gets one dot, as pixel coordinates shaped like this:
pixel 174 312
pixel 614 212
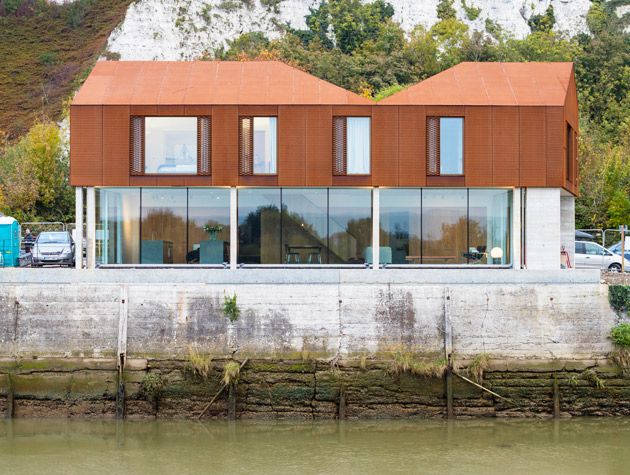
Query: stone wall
pixel 319 343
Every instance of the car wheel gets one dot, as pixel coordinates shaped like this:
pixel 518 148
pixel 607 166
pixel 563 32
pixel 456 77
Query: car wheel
pixel 615 267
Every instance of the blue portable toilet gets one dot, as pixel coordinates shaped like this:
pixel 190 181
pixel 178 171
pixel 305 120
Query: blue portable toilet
pixel 9 242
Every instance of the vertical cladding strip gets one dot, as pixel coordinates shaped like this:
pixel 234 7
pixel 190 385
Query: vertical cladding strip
pixel 478 146
pixel 319 146
pixel 291 145
pixel 533 155
pixel 412 146
pixel 86 145
pixel 433 146
pixel 505 146
pixel 116 146
pixel 225 145
pixel 556 146
pixel 385 132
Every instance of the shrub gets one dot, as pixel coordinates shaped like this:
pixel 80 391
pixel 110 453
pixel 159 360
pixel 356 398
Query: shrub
pixel 230 308
pixel 619 297
pixel 152 387
pixel 621 334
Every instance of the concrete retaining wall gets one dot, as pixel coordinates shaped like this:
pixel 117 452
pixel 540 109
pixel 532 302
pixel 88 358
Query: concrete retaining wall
pixel 325 312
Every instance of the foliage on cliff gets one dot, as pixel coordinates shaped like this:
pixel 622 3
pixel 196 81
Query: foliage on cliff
pixel 360 47
pixel 45 51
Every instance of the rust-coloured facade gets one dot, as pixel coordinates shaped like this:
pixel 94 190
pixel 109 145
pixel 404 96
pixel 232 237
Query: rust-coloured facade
pixel 508 142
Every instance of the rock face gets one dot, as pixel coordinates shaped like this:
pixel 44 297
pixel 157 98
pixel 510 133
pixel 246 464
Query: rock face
pixel 186 29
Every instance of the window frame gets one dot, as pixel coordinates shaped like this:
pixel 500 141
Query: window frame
pixel 570 156
pixel 340 155
pixel 433 137
pixel 242 171
pixel 137 164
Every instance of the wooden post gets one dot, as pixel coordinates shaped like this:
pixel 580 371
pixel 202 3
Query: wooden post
pixel 232 402
pixel 341 413
pixel 10 397
pixel 556 397
pixel 448 354
pixel 122 351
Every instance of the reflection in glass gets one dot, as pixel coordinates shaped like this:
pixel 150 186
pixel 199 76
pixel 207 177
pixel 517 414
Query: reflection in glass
pixel 451 146
pixel 170 145
pixel 400 225
pixel 259 226
pixel 208 208
pixel 118 225
pixel 349 225
pixel 489 226
pixel 358 145
pixel 163 226
pixel 444 226
pixel 265 145
pixel 304 225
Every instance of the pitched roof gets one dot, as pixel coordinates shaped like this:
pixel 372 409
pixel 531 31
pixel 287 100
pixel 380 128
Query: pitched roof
pixel 207 82
pixel 500 84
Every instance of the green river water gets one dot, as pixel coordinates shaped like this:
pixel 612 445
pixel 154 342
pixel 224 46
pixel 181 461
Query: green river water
pixel 576 446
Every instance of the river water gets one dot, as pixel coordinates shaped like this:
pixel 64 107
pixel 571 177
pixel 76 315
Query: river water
pixel 576 446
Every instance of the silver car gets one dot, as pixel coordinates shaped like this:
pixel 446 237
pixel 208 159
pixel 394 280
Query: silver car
pixel 590 255
pixel 53 248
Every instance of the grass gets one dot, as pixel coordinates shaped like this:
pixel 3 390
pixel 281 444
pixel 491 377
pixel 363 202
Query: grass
pixel 477 366
pixel 199 365
pixel 405 361
pixel 46 51
pixel 152 387
pixel 591 376
pixel 231 372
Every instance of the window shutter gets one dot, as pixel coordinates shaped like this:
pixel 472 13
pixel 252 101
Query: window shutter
pixel 137 146
pixel 204 146
pixel 339 146
pixel 433 146
pixel 246 146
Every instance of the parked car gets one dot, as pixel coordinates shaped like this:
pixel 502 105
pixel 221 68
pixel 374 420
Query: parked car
pixel 53 248
pixel 590 255
pixel 617 250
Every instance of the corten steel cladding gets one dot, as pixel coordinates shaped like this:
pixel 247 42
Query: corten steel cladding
pixel 516 119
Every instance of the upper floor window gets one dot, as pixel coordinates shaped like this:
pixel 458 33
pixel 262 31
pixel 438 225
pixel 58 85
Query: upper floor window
pixel 258 146
pixel 570 152
pixel 445 146
pixel 351 145
pixel 170 145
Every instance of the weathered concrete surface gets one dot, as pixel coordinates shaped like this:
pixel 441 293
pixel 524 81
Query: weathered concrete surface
pixel 329 312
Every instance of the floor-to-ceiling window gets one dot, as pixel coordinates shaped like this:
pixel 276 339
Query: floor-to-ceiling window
pixel 259 239
pixel 118 225
pixel 444 226
pixel 489 226
pixel 400 226
pixel 208 226
pixel 349 225
pixel 163 226
pixel 305 225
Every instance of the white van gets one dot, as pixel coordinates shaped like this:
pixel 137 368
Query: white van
pixel 590 255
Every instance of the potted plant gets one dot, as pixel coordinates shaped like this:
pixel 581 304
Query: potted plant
pixel 213 230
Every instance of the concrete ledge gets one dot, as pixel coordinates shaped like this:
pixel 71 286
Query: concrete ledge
pixel 298 276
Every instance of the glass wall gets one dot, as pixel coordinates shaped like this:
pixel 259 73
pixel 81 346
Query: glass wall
pixel 163 226
pixel 445 226
pixel 259 240
pixel 208 226
pixel 118 225
pixel 305 225
pixel 170 145
pixel 401 225
pixel 349 225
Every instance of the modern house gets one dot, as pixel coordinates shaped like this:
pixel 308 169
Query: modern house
pixel 258 163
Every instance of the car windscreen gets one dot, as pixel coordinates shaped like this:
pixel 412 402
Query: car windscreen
pixel 53 238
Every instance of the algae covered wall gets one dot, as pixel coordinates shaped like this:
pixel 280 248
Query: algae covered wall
pixel 319 344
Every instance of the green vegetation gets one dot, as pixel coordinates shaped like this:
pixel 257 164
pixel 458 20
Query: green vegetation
pixel 406 361
pixel 197 364
pixel 619 297
pixel 543 22
pixel 231 372
pixel 621 334
pixel 590 375
pixel 152 387
pixel 230 308
pixel 472 13
pixel 477 367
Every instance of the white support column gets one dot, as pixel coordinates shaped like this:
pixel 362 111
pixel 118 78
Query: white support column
pixel 233 227
pixel 376 227
pixel 91 227
pixel 516 228
pixel 78 232
pixel 542 228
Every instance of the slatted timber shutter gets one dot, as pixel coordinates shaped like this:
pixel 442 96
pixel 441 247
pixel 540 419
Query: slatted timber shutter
pixel 246 146
pixel 136 163
pixel 433 146
pixel 204 146
pixel 339 146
